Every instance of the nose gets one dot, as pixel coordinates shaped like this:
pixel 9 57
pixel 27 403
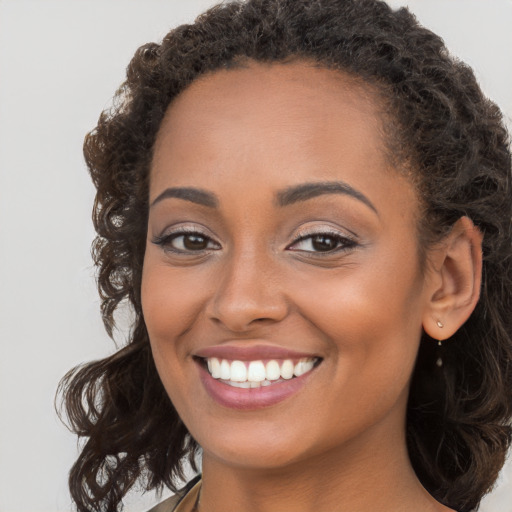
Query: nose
pixel 248 294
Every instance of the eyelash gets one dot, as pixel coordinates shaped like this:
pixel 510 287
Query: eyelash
pixel 165 241
pixel 343 243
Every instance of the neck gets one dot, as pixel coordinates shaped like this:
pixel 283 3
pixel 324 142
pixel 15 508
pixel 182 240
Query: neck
pixel 359 477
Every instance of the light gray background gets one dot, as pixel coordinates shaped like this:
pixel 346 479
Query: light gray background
pixel 60 62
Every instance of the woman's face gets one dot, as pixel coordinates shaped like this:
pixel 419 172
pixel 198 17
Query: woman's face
pixel 281 243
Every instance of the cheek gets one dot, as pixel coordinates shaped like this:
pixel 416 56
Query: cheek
pixel 171 300
pixel 374 340
pixel 371 315
pixel 373 298
pixel 169 306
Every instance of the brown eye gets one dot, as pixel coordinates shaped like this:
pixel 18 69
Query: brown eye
pixel 194 242
pixel 186 242
pixel 323 243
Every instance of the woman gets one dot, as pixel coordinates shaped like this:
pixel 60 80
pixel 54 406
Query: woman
pixel 307 205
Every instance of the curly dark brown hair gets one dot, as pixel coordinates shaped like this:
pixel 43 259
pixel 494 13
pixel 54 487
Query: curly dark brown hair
pixel 441 125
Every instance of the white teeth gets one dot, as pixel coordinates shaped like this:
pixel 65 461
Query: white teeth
pixel 239 384
pixel 303 366
pixel 273 370
pixel 225 370
pixel 238 371
pixel 287 369
pixel 247 384
pixel 214 367
pixel 256 371
pixel 254 374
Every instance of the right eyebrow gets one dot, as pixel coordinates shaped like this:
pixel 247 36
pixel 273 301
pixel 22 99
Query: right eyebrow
pixel 192 194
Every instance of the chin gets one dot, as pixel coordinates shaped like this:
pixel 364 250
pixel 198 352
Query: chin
pixel 255 447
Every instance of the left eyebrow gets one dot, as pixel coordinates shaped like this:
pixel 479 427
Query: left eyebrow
pixel 307 191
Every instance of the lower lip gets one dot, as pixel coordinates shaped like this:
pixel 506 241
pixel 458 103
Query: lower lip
pixel 251 398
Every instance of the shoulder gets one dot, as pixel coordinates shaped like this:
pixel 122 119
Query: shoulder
pixel 170 504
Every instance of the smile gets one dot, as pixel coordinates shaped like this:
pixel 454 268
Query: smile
pixel 258 373
pixel 248 377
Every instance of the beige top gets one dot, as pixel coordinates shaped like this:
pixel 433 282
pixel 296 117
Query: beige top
pixel 173 504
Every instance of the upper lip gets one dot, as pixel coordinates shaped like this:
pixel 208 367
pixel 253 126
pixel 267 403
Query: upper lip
pixel 251 352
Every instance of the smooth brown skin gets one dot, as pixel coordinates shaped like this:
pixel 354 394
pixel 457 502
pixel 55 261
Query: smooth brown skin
pixel 339 444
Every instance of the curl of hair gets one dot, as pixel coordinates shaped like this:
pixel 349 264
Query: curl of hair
pixel 443 130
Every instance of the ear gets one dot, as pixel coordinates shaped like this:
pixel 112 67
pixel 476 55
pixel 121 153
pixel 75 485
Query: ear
pixel 454 279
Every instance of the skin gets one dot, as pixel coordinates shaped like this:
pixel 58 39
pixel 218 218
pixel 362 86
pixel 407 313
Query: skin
pixel 339 443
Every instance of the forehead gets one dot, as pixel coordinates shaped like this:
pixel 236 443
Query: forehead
pixel 298 100
pixel 281 84
pixel 277 124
